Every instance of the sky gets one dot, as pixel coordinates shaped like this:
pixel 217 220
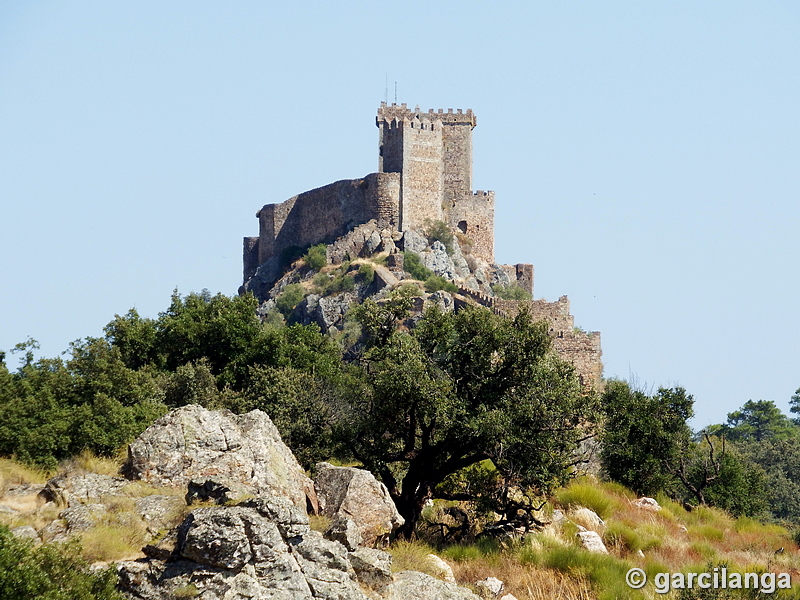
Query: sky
pixel 644 157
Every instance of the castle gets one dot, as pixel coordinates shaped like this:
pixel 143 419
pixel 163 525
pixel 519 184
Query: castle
pixel 424 177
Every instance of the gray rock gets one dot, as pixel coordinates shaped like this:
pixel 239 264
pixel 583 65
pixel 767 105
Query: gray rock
pixel 445 571
pixel 499 276
pixel 413 241
pixel 26 532
pixel 356 494
pixel 459 262
pixel 411 585
pixel 332 309
pixel 55 531
pixel 373 567
pixel 192 442
pixel 647 503
pixel 261 282
pixel 344 531
pixel 216 537
pixel 80 517
pixel 75 488
pixel 217 489
pixel 592 541
pixel 443 299
pixel 588 518
pixel 158 511
pixel 372 243
pixel 260 549
pixel 438 261
pixel 491 587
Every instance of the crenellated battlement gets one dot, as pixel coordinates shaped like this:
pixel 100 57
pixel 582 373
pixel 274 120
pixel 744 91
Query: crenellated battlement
pixel 388 113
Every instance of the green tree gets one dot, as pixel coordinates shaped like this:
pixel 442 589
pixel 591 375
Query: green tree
pixel 460 389
pixel 715 473
pixel 643 435
pixel 757 420
pixel 794 405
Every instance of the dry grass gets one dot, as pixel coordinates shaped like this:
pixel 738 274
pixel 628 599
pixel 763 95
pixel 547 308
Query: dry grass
pixel 319 523
pixel 15 473
pixel 526 582
pixel 87 461
pixel 412 556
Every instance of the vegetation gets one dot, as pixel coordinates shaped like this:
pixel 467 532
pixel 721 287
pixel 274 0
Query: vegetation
pixel 51 572
pixel 434 283
pixel 290 297
pixel 462 388
pixel 470 410
pixel 510 292
pixel 414 267
pixel 439 231
pixel 316 257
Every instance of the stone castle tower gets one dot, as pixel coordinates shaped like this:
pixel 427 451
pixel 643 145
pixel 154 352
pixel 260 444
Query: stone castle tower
pixel 432 152
pixel 424 175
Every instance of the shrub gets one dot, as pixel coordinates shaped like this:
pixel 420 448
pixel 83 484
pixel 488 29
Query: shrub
pixel 438 231
pixel 290 297
pixel 510 292
pixel 317 256
pixel 50 571
pixel 414 267
pixel 345 283
pixel 434 283
pixel 367 272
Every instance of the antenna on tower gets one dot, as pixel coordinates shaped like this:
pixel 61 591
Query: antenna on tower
pixel 395 92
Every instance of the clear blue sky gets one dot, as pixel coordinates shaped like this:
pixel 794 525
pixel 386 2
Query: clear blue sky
pixel 644 154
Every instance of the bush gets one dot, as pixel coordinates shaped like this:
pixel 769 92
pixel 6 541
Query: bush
pixel 50 571
pixel 316 257
pixel 438 231
pixel 588 495
pixel 510 292
pixel 290 297
pixel 367 272
pixel 434 283
pixel 414 267
pixel 345 283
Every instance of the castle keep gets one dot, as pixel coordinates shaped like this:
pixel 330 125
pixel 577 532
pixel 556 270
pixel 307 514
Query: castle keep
pixel 424 179
pixel 424 175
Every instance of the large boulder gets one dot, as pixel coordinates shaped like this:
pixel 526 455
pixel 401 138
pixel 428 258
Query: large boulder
pixel 438 261
pixel 357 495
pixel 262 548
pixel 191 443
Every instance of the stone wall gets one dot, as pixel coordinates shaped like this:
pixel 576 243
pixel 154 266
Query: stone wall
pixel 473 215
pixel 580 348
pixel 324 214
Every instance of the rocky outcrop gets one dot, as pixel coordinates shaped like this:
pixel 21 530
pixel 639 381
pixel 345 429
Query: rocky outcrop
pixel 357 495
pixel 262 548
pixel 192 443
pixel 70 488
